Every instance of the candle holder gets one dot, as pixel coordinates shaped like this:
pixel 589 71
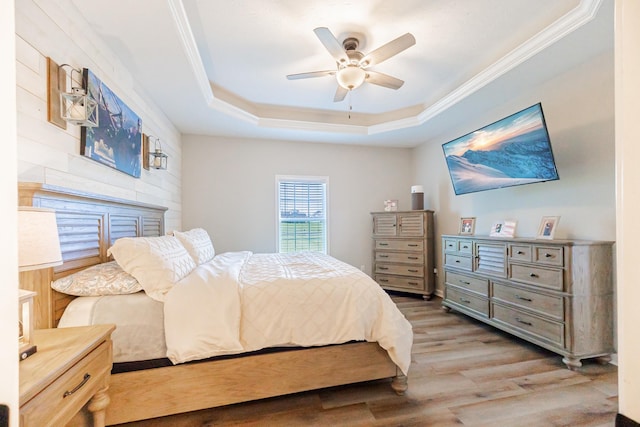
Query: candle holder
pixel 77 107
pixel 156 158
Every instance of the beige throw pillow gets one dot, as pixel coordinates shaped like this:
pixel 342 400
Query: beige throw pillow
pixel 101 279
pixel 157 262
pixel 198 244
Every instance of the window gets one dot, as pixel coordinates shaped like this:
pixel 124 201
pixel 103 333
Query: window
pixel 302 213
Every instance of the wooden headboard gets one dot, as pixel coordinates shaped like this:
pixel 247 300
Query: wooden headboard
pixel 88 224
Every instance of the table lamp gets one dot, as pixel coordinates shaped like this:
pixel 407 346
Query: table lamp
pixel 38 247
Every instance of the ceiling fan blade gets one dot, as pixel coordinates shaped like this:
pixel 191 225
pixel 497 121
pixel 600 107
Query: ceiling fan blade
pixel 332 44
pixel 341 93
pixel 311 74
pixel 388 50
pixel 383 80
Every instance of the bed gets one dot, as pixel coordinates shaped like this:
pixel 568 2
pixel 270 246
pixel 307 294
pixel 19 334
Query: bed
pixel 90 225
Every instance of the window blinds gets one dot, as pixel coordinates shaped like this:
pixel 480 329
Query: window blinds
pixel 302 216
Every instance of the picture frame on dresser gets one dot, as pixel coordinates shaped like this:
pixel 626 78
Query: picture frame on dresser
pixel 467 226
pixel 506 228
pixel 547 228
pixel 390 205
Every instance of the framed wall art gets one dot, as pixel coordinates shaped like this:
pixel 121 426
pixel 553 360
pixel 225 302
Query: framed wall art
pixel 548 226
pixel 467 226
pixel 117 140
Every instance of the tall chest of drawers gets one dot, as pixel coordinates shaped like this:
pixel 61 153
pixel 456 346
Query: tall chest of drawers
pixel 403 254
pixel 557 294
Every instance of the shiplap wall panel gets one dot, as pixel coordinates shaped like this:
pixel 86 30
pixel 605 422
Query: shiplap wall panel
pixel 51 155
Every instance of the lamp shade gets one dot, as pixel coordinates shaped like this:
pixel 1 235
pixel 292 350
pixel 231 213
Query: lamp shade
pixel 38 242
pixel 351 77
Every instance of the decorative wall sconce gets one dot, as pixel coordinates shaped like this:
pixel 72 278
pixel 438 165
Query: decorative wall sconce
pixel 154 157
pixel 76 106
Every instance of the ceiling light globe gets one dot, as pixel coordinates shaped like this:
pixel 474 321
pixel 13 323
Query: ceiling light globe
pixel 351 77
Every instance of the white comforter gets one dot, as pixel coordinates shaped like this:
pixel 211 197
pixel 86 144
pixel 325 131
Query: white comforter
pixel 242 301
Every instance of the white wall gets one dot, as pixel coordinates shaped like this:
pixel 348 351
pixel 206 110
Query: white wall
pixel 8 197
pixel 578 106
pixel 229 189
pixel 628 204
pixel 51 155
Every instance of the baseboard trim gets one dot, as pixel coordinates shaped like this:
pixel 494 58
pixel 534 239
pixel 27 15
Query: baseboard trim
pixel 622 421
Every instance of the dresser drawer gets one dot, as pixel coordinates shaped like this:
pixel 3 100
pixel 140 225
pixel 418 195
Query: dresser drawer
pixel 469 301
pixel 456 245
pixel 465 247
pixel 400 245
pixel 546 329
pixel 548 255
pixel 50 406
pixel 544 277
pixel 474 284
pixel 458 261
pixel 402 270
pixel 520 252
pixel 407 258
pixel 408 283
pixel 451 245
pixel 548 305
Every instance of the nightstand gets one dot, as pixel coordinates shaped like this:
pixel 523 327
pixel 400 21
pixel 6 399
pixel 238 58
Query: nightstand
pixel 71 367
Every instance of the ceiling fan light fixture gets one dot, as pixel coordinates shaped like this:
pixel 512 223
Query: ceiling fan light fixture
pixel 351 77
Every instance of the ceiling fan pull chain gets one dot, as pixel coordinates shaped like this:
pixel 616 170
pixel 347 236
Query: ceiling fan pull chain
pixel 350 107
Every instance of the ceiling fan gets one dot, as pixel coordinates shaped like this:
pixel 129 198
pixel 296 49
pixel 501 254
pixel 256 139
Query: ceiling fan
pixel 353 66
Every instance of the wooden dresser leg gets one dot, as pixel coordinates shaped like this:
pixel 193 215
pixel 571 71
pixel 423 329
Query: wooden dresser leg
pixel 98 406
pixel 603 360
pixel 572 362
pixel 399 384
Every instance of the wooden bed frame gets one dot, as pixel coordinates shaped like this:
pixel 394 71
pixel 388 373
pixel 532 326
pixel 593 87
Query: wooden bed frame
pixel 88 224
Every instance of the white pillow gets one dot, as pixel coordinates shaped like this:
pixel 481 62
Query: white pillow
pixel 101 279
pixel 157 262
pixel 198 244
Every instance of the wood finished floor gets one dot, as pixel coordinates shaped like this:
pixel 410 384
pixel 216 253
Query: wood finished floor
pixel 462 373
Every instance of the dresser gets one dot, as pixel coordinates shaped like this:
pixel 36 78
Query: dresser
pixel 71 367
pixel 557 294
pixel 403 254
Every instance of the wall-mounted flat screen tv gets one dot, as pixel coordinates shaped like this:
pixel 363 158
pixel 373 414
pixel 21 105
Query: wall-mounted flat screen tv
pixel 515 150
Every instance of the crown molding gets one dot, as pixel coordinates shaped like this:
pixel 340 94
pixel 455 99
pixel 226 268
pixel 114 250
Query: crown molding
pixel 239 108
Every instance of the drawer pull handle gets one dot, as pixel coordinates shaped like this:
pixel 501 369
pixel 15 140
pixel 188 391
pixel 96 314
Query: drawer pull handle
pixel 466 301
pixel 413 283
pixel 78 387
pixel 383 244
pixel 413 257
pixel 383 280
pixel 413 271
pixel 465 283
pixel 533 275
pixel 383 256
pixel 465 247
pixel 548 255
pixel 520 253
pixel 458 261
pixel 412 245
pixel 523 298
pixel 383 268
pixel 524 322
